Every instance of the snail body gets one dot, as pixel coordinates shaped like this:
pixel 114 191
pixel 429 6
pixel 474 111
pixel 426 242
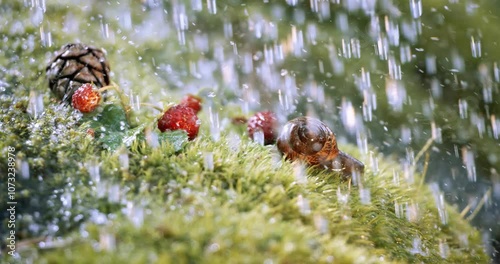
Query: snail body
pixel 312 141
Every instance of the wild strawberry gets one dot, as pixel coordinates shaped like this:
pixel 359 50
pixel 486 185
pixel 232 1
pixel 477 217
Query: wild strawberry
pixel 180 117
pixel 265 122
pixel 193 102
pixel 86 98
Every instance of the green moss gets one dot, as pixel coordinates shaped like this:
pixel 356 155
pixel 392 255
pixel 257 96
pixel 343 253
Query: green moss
pixel 249 206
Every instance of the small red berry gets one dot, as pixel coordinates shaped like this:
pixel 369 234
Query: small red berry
pixel 86 98
pixel 265 122
pixel 180 117
pixel 193 102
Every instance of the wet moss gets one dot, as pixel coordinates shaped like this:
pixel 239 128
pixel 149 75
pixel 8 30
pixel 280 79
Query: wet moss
pixel 168 205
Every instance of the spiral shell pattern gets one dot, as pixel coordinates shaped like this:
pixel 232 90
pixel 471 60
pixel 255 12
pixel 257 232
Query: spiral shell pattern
pixel 310 140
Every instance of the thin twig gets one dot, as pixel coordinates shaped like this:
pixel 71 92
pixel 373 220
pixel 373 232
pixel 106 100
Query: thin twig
pixel 426 147
pixel 479 206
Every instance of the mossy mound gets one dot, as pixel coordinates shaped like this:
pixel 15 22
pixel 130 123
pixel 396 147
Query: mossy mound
pixel 217 201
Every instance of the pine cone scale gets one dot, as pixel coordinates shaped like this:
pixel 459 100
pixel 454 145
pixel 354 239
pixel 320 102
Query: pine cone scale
pixel 74 65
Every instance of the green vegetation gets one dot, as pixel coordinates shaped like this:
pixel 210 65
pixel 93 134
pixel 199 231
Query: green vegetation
pixel 82 203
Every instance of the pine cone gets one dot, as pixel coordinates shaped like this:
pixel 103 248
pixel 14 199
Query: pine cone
pixel 75 64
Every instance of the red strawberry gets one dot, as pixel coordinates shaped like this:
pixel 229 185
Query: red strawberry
pixel 86 98
pixel 180 117
pixel 267 123
pixel 193 102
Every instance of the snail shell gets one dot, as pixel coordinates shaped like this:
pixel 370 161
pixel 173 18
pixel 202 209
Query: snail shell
pixel 310 140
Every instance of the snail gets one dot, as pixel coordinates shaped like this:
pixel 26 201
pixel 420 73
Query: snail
pixel 310 140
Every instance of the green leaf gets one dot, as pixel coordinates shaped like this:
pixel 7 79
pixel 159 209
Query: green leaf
pixel 177 138
pixel 113 118
pixel 132 134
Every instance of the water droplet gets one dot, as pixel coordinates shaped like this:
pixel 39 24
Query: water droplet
pixel 303 204
pixel 469 163
pixel 208 161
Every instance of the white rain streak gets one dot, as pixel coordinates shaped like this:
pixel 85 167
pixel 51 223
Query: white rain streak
pixel 487 83
pixel 299 171
pixel 392 31
pixel 478 121
pixel 495 126
pixel 123 160
pixel 418 248
pixel 430 64
pixel 440 202
pixel 416 8
pixel 463 108
pixel 475 46
pixel 107 241
pixel 394 68
pixel 364 195
pixel 405 54
pixel 436 133
pixel 23 167
pixel 303 204
pixel 35 104
pixel 341 197
pixel 348 116
pixel 406 136
pixel 321 224
pixel 436 88
pixel 412 212
pixel 469 162
pixel 135 214
pixel 373 163
pixel 336 62
pixel 444 249
pixel 396 94
pixel 208 161
pixel 66 199
pixel 215 128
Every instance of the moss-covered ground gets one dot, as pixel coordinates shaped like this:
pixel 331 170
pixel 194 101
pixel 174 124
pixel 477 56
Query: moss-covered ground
pixel 214 200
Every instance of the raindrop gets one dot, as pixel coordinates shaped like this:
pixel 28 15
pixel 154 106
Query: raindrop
pixel 342 198
pixel 398 209
pixel 124 160
pixel 93 168
pixel 440 202
pixel 396 94
pixel 135 214
pixel 66 199
pixel 469 163
pixel 348 115
pixel 35 105
pixel 405 135
pixel 462 108
pixel 417 247
pixel 114 193
pixel 299 170
pixel 436 133
pixel 208 161
pixel 107 241
pixel 321 224
pixel 303 204
pixel 475 45
pixel 495 126
pixel 364 196
pixel 405 53
pixel 412 212
pixel 212 6
pixel 444 249
pixel 24 168
pixel 214 124
pixel 392 30
pixel 416 8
